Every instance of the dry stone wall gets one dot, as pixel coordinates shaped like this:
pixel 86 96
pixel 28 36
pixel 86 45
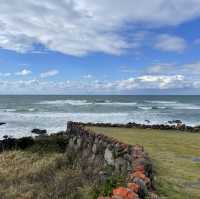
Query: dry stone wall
pixel 128 159
pixel 95 152
pixel 179 126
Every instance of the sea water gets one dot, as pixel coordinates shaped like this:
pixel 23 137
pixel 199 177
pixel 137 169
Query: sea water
pixel 23 113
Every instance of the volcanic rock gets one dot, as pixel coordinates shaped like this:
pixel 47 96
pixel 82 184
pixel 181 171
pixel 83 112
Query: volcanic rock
pixel 39 131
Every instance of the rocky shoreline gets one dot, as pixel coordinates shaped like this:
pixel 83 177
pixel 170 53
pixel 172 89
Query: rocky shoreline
pixel 2 123
pixel 179 126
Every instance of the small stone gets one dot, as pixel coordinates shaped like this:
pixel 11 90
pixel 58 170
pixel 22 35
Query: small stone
pixel 143 191
pixel 5 136
pixel 139 168
pixel 138 174
pixel 39 131
pixel 134 187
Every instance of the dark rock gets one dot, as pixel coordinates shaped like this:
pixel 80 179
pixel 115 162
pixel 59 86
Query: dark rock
pixel 39 131
pixel 2 123
pixel 5 137
pixel 175 122
pixel 143 191
pixel 147 121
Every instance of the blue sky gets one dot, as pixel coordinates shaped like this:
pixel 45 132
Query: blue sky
pixel 100 47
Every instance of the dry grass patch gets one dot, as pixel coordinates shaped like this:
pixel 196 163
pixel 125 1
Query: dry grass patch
pixel 26 175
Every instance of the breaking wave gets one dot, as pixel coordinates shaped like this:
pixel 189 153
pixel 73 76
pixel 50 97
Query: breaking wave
pixel 85 102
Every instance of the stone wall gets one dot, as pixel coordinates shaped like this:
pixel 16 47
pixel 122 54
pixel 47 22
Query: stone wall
pixel 98 156
pixel 178 126
pixel 123 158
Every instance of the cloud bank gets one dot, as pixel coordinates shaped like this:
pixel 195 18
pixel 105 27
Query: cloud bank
pixel 39 86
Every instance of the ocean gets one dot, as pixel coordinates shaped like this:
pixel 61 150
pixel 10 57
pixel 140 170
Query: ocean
pixel 23 113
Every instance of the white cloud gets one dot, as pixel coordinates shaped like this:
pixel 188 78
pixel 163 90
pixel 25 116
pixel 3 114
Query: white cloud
pixel 152 81
pixel 84 26
pixel 24 72
pixel 19 42
pixel 41 86
pixel 49 73
pixel 170 43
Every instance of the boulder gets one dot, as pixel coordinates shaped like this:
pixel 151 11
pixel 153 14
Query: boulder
pixel 108 156
pixel 2 123
pixel 39 131
pixel 175 122
pixel 5 137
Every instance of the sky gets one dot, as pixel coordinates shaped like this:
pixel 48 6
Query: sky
pixel 100 47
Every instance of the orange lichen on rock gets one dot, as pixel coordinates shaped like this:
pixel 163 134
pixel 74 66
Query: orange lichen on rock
pixel 124 193
pixel 138 174
pixel 134 187
pixel 139 168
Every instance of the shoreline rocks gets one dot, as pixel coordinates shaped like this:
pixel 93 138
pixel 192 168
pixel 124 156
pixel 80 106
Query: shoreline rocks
pixel 39 131
pixel 179 126
pixel 2 123
pixel 175 122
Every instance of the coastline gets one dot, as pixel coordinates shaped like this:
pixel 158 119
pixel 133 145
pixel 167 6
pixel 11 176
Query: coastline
pixel 24 113
pixel 177 126
pixel 161 146
pixel 87 148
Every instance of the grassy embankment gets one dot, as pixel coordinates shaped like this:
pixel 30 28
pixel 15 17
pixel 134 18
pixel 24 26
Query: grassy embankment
pixel 40 173
pixel 176 157
pixel 45 170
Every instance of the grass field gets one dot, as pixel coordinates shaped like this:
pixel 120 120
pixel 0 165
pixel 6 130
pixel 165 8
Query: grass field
pixel 176 157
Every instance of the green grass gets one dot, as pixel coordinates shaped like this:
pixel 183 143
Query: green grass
pixel 172 152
